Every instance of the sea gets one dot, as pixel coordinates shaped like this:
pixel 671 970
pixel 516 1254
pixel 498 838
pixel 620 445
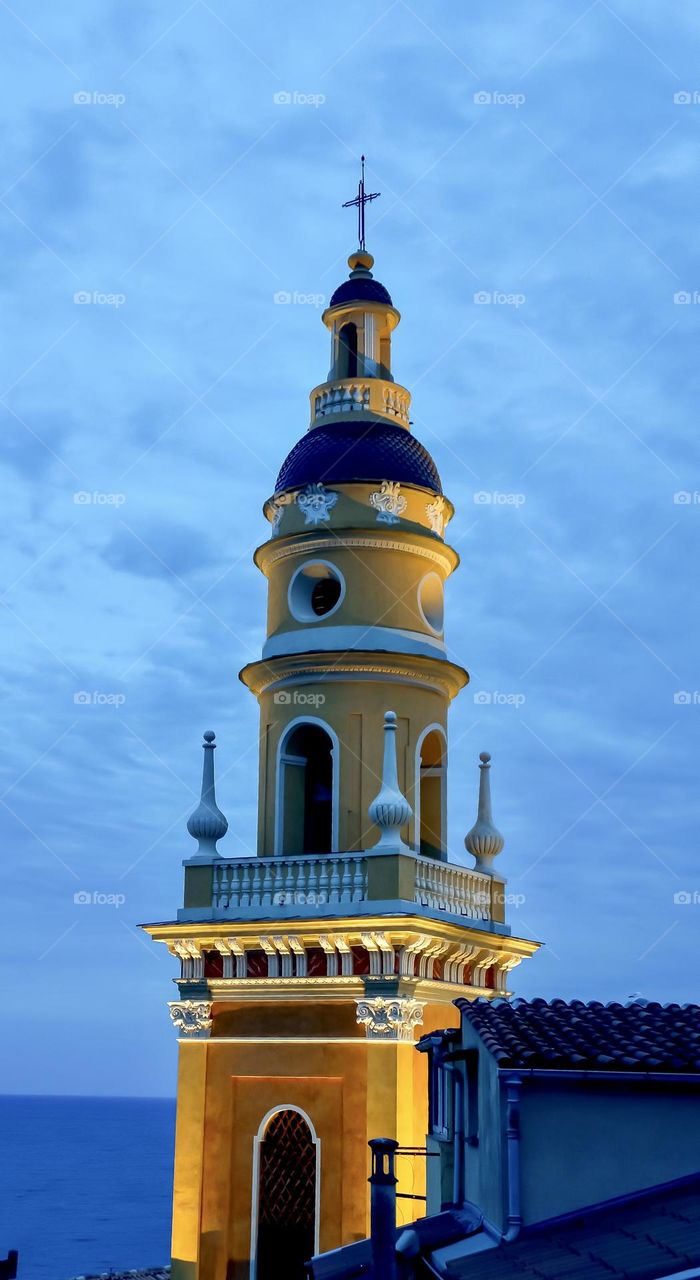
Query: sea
pixel 85 1184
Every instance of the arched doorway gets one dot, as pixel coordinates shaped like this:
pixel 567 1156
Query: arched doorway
pixel 307 790
pixel 286 1196
pixel 347 351
pixel 431 836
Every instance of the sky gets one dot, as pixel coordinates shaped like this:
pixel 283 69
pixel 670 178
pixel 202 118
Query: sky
pixel 171 225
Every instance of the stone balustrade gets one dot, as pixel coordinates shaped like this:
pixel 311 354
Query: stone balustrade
pixel 347 396
pixel 332 885
pixel 302 882
pixel 455 889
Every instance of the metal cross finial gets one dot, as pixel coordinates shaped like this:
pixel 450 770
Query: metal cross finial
pixel 361 199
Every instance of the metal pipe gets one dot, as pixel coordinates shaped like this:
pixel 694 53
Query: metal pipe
pixel 514 1221
pixel 383 1208
pixel 458 1132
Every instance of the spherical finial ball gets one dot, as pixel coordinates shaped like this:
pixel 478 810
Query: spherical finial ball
pixel 361 258
pixel 209 735
pixel 485 756
pixel 390 717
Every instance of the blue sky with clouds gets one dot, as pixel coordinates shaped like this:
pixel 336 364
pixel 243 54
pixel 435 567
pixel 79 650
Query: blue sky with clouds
pixel 533 154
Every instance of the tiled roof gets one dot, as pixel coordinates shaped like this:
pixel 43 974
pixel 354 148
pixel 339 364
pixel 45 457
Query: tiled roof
pixel 361 290
pixel 560 1034
pixel 644 1237
pixel 358 451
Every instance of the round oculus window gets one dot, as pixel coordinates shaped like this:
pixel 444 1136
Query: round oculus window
pixel 315 591
pixel 431 602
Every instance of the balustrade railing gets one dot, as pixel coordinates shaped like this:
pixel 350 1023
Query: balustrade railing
pixel 290 882
pixel 326 882
pixel 455 889
pixel 356 395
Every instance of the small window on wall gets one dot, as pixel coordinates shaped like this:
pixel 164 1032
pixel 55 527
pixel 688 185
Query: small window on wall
pixel 325 595
pixel 431 602
pixel 315 591
pixel 439 1100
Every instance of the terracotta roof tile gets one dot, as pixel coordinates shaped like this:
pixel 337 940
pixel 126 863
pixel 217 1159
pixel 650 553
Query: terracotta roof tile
pixel 591 1036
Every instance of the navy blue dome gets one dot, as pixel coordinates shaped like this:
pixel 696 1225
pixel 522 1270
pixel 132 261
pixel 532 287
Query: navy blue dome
pixel 358 451
pixel 361 289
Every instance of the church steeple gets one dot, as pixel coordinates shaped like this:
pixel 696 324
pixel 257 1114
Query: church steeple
pixel 307 970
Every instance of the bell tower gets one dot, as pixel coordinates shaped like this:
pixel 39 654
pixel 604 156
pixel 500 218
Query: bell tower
pixel 308 971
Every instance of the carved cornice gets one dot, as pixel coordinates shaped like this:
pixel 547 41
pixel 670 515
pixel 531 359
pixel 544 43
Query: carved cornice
pixel 389 1018
pixel 434 673
pixel 270 553
pixel 192 1018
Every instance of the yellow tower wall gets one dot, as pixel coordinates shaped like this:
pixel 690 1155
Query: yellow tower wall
pixel 351 1089
pixel 355 711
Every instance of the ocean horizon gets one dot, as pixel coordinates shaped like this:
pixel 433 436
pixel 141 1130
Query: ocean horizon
pixel 85 1183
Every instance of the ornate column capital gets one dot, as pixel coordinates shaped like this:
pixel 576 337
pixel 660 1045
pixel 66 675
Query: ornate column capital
pixel 191 1018
pixel 389 1018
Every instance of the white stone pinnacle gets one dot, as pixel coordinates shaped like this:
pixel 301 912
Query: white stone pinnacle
pixel 390 810
pixel 484 841
pixel 207 824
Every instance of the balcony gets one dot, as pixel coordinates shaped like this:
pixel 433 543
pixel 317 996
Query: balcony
pixel 341 399
pixel 332 886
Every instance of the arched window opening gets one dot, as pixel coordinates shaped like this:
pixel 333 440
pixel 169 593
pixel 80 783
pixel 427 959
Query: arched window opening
pixel 286 1197
pixel 347 351
pixel 306 782
pixel 432 835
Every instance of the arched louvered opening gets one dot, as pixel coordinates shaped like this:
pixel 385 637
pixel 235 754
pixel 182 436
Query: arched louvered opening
pixel 286 1197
